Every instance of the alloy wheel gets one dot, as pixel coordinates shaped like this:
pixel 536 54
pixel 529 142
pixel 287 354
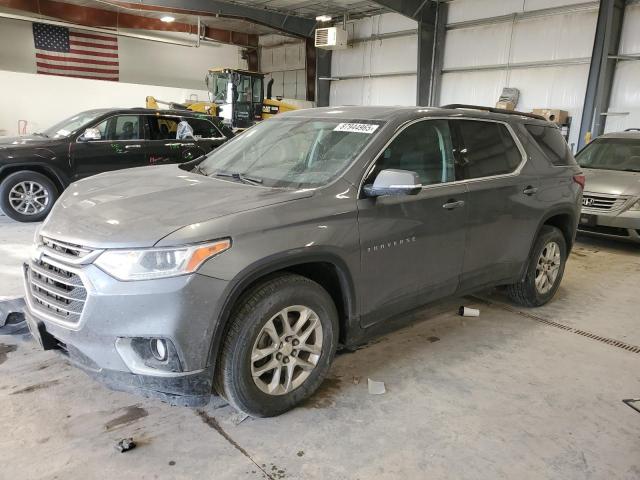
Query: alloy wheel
pixel 286 350
pixel 547 267
pixel 29 198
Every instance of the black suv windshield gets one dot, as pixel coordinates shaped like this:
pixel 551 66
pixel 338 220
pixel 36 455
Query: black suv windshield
pixel 622 154
pixel 292 152
pixel 71 124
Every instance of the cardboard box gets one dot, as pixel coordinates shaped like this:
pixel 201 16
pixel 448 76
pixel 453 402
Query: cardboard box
pixel 553 115
pixel 505 105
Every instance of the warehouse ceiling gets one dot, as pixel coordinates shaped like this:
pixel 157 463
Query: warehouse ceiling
pixel 313 8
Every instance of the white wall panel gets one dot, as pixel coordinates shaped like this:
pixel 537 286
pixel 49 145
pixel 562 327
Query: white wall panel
pixel 625 97
pixel 285 63
pixel 62 97
pixel 554 37
pixel 464 10
pixel 470 47
pixel 630 38
pixel 399 90
pixel 551 87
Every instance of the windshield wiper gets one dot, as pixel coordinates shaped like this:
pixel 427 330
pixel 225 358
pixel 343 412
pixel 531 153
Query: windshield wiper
pixel 632 170
pixel 240 176
pixel 40 134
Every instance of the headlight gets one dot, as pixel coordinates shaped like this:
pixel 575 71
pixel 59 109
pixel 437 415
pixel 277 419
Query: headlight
pixel 148 263
pixel 635 206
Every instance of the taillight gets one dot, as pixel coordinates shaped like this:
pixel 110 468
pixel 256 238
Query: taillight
pixel 580 180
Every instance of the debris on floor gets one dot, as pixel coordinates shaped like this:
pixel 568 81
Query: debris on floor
pixel 468 312
pixel 356 380
pixel 376 388
pixel 125 445
pixel 238 417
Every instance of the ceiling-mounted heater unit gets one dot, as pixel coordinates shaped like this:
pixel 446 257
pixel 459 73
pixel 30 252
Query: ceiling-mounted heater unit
pixel 332 38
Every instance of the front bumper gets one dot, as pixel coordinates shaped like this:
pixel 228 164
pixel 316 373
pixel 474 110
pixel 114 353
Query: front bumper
pixel 114 314
pixel 620 225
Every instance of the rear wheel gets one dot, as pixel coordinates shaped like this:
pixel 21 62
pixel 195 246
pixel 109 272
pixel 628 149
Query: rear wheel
pixel 544 271
pixel 279 346
pixel 27 196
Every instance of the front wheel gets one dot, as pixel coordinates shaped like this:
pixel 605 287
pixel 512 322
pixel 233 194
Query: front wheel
pixel 279 346
pixel 544 270
pixel 27 196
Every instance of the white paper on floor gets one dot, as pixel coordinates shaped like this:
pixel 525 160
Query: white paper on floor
pixel 376 388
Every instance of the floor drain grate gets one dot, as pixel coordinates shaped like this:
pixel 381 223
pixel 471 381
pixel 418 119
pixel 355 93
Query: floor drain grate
pixel 609 341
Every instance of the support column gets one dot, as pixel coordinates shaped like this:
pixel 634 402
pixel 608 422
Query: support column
pixel 323 76
pixel 602 68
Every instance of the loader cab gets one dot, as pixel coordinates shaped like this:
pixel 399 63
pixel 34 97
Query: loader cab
pixel 238 95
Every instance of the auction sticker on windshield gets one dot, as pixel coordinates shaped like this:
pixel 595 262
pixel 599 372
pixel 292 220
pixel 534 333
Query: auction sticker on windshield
pixel 356 128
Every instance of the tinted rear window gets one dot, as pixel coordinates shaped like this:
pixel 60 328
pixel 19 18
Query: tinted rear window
pixel 552 144
pixel 487 149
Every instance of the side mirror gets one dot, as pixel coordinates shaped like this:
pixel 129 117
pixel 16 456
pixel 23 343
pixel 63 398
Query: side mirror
pixel 394 182
pixel 91 134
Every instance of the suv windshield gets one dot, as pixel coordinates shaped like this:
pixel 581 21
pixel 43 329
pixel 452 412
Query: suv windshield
pixel 622 154
pixel 292 153
pixel 71 124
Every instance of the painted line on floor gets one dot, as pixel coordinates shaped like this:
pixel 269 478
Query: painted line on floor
pixel 593 336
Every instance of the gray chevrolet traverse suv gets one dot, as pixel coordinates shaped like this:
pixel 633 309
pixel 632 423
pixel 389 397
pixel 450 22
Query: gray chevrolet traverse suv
pixel 243 273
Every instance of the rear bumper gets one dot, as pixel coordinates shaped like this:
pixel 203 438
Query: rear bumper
pixel 621 226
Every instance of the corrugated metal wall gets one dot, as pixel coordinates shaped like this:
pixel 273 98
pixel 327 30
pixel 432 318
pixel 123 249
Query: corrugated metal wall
pixel 377 70
pixel 541 47
pixel 625 95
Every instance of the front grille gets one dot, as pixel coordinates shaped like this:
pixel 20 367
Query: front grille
pixel 617 231
pixel 64 249
pixel 602 202
pixel 57 291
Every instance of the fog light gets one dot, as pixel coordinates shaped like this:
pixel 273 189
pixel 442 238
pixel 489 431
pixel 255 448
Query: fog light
pixel 159 349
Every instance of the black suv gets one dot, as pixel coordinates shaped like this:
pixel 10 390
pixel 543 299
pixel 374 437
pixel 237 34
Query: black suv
pixel 35 169
pixel 312 229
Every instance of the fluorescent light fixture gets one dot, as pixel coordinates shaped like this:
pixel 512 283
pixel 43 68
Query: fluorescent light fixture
pixel 167 19
pixel 323 18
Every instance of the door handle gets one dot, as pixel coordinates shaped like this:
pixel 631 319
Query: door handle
pixel 132 146
pixel 451 204
pixel 530 190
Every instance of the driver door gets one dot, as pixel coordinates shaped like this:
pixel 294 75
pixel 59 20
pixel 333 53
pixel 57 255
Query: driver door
pixel 120 146
pixel 412 246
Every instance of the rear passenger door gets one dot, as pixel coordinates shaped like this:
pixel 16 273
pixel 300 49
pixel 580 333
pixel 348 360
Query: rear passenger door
pixel 502 188
pixel 162 147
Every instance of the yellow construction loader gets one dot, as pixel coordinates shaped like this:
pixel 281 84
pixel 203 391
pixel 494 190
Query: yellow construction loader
pixel 236 97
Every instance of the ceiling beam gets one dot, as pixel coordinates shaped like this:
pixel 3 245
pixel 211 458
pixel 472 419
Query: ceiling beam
pixel 290 24
pixel 419 10
pixel 96 17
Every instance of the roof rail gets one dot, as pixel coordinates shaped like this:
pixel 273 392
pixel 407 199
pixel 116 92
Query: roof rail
pixel 493 110
pixel 635 129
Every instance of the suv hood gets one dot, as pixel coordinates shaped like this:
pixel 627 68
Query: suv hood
pixel 27 141
pixel 612 182
pixel 138 207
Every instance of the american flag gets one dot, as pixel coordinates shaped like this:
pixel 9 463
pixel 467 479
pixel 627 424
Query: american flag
pixel 75 53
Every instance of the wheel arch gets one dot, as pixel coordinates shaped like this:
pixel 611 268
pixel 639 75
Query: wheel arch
pixel 326 269
pixel 57 179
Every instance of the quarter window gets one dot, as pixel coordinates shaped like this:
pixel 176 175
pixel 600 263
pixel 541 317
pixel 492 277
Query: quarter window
pixel 552 144
pixel 424 148
pixel 485 149
pixel 203 128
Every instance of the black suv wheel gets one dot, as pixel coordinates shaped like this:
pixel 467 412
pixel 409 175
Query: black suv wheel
pixel 27 196
pixel 279 346
pixel 544 270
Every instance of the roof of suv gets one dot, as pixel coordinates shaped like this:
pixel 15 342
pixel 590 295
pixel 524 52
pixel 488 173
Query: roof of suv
pixel 152 111
pixel 384 113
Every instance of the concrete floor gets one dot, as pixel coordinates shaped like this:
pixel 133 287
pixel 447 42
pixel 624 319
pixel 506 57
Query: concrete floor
pixel 506 395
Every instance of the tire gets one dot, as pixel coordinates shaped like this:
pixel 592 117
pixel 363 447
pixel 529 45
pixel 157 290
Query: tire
pixel 40 191
pixel 526 292
pixel 262 306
